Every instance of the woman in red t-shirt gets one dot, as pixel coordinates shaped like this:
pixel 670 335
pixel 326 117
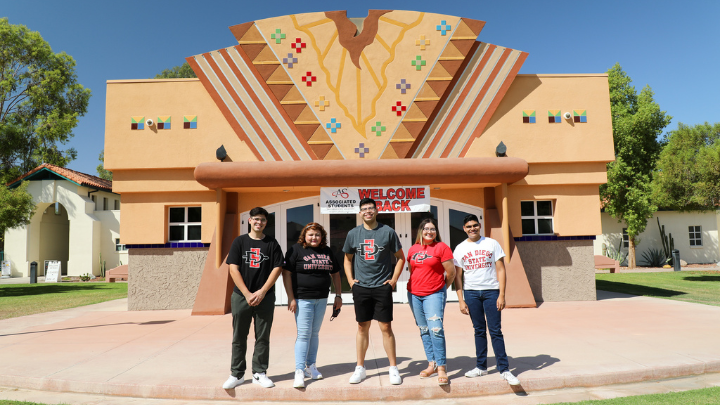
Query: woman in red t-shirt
pixel 431 273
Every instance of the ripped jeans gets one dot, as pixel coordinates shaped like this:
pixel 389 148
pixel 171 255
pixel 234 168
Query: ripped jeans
pixel 429 312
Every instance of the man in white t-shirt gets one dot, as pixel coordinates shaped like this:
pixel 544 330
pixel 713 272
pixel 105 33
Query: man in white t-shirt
pixel 480 282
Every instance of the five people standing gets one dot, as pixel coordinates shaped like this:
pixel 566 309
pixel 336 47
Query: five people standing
pixel 255 263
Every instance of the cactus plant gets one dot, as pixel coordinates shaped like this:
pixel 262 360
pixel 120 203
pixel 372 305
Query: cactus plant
pixel 667 242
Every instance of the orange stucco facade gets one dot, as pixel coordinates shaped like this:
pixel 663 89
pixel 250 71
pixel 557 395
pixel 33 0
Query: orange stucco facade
pixel 455 112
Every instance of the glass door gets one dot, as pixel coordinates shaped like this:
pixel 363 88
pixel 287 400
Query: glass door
pixel 454 232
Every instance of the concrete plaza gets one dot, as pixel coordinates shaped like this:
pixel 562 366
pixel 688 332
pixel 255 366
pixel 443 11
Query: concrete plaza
pixel 104 349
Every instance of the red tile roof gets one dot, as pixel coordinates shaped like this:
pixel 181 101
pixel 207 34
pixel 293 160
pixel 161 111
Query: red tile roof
pixel 72 175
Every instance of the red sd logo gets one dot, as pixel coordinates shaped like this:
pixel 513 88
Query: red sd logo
pixel 341 193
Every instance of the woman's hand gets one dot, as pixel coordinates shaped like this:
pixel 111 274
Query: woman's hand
pixel 292 306
pixel 338 302
pixel 464 308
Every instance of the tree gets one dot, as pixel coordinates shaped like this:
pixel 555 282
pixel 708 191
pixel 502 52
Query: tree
pixel 637 123
pixel 40 102
pixel 102 173
pixel 177 72
pixel 16 208
pixel 688 170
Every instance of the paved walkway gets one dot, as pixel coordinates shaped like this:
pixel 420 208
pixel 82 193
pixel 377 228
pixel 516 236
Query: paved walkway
pixel 104 349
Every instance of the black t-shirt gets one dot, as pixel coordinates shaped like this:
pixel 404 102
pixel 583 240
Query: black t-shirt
pixel 311 269
pixel 256 260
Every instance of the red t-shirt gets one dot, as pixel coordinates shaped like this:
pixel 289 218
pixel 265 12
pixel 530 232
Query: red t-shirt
pixel 427 274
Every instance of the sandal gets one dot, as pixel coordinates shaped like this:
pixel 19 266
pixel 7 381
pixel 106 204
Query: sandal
pixel 443 380
pixel 425 373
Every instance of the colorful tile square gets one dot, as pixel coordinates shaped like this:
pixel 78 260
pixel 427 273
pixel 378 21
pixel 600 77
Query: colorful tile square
pixel 579 115
pixel 137 122
pixel 528 116
pixel 554 116
pixel 163 122
pixel 190 121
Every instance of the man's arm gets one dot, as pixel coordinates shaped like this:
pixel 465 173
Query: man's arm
pixel 500 270
pixel 259 295
pixel 398 268
pixel 459 290
pixel 238 280
pixel 347 264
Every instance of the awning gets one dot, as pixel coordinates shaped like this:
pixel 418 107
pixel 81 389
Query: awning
pixel 359 172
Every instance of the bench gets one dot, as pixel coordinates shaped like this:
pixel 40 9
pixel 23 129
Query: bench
pixel 120 272
pixel 604 262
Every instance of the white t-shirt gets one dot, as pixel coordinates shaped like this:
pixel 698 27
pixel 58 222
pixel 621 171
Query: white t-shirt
pixel 477 260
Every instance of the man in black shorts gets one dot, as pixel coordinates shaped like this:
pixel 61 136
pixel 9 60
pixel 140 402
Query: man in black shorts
pixel 369 249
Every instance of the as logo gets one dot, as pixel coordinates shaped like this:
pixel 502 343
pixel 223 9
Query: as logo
pixel 419 257
pixel 369 249
pixel 253 257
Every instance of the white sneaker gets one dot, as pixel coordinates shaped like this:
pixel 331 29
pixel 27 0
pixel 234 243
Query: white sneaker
pixel 233 382
pixel 476 372
pixel 395 378
pixel 261 379
pixel 312 372
pixel 299 379
pixel 358 375
pixel 511 379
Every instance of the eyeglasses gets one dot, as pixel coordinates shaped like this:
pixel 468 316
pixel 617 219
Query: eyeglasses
pixel 259 219
pixel 429 230
pixel 367 209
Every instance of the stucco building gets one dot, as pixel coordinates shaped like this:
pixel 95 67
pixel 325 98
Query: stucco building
pixel 695 235
pixel 303 113
pixel 77 221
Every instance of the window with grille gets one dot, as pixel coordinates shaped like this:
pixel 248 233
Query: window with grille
pixel 695 235
pixel 626 239
pixel 537 217
pixel 184 224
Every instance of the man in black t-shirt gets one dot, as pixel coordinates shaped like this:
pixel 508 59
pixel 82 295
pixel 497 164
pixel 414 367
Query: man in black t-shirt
pixel 255 263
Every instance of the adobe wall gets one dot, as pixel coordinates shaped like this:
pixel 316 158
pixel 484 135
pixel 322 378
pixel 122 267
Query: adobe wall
pixel 560 270
pixel 164 278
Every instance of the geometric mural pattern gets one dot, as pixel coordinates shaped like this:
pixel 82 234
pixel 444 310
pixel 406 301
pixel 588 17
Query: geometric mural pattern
pixel 303 86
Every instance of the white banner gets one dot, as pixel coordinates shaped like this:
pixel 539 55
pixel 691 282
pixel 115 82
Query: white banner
pixel 345 200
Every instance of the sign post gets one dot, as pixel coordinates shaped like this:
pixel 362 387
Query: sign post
pixel 52 274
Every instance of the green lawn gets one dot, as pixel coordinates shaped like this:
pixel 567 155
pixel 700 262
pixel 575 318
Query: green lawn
pixel 27 299
pixel 702 287
pixel 705 396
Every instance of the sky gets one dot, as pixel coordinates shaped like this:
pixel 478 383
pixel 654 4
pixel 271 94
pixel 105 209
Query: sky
pixel 672 46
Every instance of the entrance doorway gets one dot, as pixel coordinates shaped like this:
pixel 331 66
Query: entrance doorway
pixel 288 218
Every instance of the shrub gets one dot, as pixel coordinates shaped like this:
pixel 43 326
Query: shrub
pixel 85 277
pixel 654 258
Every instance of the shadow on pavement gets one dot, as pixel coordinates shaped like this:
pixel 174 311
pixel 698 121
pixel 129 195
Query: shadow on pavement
pixel 89 326
pixel 635 289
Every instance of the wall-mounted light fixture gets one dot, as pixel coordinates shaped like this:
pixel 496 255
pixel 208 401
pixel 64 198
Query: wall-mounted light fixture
pixel 221 153
pixel 567 115
pixel 501 150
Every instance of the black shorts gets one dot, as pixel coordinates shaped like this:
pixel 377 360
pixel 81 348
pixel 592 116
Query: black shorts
pixel 373 303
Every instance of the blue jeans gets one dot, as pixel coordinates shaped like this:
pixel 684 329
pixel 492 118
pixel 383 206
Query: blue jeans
pixel 483 304
pixel 308 318
pixel 429 312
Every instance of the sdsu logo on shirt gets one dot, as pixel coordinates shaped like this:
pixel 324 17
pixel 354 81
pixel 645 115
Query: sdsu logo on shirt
pixel 419 257
pixel 254 257
pixel 369 249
